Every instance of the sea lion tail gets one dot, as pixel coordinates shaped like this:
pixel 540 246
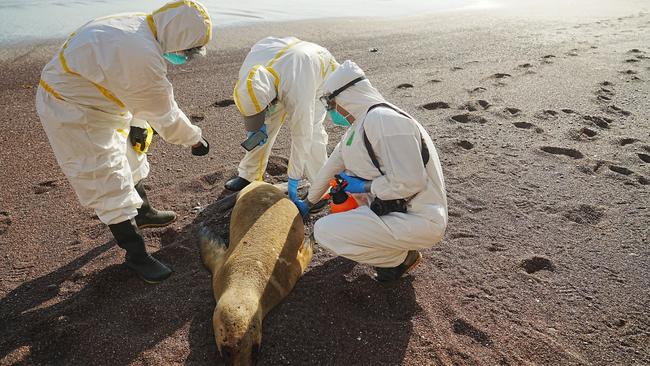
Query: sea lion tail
pixel 213 249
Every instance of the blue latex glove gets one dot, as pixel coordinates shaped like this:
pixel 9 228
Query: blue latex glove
pixel 303 208
pixel 293 190
pixel 355 184
pixel 263 129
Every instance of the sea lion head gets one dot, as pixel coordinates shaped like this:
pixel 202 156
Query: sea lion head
pixel 238 330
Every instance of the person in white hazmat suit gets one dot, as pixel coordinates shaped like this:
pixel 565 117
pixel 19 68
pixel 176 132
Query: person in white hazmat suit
pixel 388 156
pixel 279 82
pixel 96 99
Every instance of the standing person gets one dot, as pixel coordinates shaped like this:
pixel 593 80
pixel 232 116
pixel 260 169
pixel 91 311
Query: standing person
pixel 280 81
pixel 108 76
pixel 387 155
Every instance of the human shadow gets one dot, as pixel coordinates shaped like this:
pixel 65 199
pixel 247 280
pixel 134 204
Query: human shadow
pixel 335 316
pixel 109 317
pixel 113 318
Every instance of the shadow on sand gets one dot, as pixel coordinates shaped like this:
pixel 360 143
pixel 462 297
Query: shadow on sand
pixel 114 318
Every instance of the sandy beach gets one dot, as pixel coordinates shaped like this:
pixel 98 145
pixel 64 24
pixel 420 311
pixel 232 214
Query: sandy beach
pixel 540 116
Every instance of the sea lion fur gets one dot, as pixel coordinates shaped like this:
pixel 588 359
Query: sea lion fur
pixel 266 256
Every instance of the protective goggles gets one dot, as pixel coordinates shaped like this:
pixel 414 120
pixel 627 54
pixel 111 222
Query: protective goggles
pixel 328 98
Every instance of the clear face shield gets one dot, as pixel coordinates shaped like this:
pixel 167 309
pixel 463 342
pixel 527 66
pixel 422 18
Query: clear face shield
pixel 330 105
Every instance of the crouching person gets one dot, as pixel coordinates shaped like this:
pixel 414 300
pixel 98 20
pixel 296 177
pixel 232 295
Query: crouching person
pixel 387 155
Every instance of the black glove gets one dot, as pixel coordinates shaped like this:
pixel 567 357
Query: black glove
pixel 201 148
pixel 140 138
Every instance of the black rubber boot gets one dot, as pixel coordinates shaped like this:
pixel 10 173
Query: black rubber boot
pixel 236 184
pixel 395 273
pixel 129 238
pixel 149 216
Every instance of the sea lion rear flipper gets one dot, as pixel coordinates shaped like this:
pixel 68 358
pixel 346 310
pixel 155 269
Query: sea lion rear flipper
pixel 213 249
pixel 306 252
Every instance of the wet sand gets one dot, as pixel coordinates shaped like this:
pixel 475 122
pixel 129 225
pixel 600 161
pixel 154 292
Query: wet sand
pixel 541 122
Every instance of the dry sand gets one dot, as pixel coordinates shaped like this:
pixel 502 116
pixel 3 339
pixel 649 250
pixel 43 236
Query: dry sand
pixel 541 121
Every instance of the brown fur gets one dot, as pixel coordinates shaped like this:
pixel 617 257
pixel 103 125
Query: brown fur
pixel 263 262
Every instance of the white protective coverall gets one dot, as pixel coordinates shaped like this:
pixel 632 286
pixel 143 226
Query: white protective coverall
pixel 109 75
pixel 359 234
pixel 293 71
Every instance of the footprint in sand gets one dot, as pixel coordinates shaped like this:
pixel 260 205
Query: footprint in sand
pixel 45 186
pixel 536 264
pixel 524 125
pixel 626 141
pixel 547 114
pixel 527 126
pixel 404 86
pixel 632 60
pixel 644 157
pixel 435 81
pixel 468 118
pixel 511 112
pixel 465 144
pixel 607 83
pixel 277 165
pixel 475 105
pixel 617 110
pixel 215 177
pixel 602 122
pixel 435 105
pixel 548 59
pixel 635 50
pixel 584 214
pixel 572 153
pixel 643 180
pixel 573 52
pixel 569 111
pixel 586 132
pixel 462 327
pixel 479 89
pixel 5 222
pixel 500 75
pixel 195 118
pixel 629 72
pixel 620 170
pixel 456 68
pixel 527 65
pixel 224 103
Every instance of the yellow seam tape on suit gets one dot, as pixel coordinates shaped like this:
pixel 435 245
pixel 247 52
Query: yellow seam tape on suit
pixel 276 78
pixel 279 54
pixel 104 91
pixel 49 89
pixel 322 65
pixel 237 101
pixel 249 86
pixel 152 26
pixel 206 17
pixel 249 80
pixel 122 132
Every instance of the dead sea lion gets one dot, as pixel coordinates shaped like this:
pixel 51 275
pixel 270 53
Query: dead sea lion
pixel 266 256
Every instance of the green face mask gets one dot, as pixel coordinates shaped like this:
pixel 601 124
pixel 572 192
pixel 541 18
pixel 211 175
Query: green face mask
pixel 175 58
pixel 338 119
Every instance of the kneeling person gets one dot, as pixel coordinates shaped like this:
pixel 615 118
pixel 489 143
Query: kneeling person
pixel 387 155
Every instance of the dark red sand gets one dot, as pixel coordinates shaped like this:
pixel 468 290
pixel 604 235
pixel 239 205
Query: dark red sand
pixel 545 262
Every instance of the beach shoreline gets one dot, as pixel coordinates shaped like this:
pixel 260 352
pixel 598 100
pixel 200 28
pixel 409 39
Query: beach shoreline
pixel 541 123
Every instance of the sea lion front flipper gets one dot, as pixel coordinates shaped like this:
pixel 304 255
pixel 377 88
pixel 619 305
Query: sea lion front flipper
pixel 213 249
pixel 306 252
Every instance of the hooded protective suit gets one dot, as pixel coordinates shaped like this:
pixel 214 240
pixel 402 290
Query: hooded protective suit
pixel 292 71
pixel 108 75
pixel 359 234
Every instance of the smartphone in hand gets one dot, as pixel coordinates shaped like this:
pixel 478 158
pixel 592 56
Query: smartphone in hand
pixel 254 141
